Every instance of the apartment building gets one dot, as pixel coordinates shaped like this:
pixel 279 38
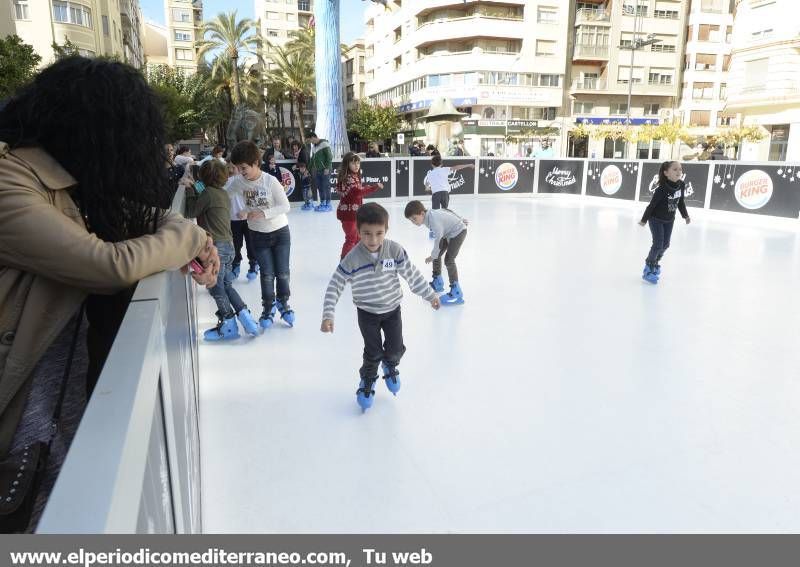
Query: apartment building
pixel 277 18
pixel 184 20
pixel 709 45
pixel 621 48
pixel 96 27
pixel 501 62
pixel 354 74
pixel 763 85
pixel 156 46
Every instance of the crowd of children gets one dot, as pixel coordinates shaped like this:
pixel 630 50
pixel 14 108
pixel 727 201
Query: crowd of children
pixel 239 203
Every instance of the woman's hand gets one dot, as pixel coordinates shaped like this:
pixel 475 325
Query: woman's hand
pixel 209 258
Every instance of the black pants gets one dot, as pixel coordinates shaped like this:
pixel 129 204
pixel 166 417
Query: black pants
pixel 449 249
pixel 242 233
pixel 662 232
pixel 376 350
pixel 440 200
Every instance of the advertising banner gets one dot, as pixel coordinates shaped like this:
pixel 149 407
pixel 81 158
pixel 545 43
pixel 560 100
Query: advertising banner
pixel 762 189
pixel 402 179
pixel 695 176
pixel 372 171
pixel 560 176
pixel 506 175
pixel 614 179
pixel 461 182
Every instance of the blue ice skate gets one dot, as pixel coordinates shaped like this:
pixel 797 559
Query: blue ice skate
pixel 437 284
pixel 248 322
pixel 287 314
pixel 252 273
pixel 268 316
pixel 365 394
pixel 225 331
pixel 649 275
pixel 392 377
pixel 454 296
pixel 307 206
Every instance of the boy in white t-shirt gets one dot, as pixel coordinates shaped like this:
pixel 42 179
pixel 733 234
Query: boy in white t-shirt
pixel 265 208
pixel 437 181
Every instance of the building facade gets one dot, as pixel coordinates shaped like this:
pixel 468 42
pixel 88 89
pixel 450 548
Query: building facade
pixel 96 27
pixel 709 45
pixel 156 46
pixel 354 74
pixel 499 62
pixel 184 29
pixel 763 85
pixel 605 70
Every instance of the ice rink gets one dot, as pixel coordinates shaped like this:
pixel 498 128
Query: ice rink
pixel 565 395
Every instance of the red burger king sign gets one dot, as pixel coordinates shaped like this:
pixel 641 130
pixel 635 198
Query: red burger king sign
pixel 506 176
pixel 753 189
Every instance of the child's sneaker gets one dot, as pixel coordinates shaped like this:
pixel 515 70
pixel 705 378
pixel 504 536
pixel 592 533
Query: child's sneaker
pixel 392 377
pixel 226 330
pixel 267 317
pixel 248 323
pixel 287 314
pixel 365 394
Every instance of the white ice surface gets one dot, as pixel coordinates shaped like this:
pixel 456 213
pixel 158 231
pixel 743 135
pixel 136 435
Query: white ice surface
pixel 565 395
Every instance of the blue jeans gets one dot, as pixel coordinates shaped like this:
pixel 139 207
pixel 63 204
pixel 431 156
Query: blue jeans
pixel 228 301
pixel 662 232
pixel 272 252
pixel 323 183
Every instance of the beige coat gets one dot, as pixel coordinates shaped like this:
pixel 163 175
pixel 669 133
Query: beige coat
pixel 49 263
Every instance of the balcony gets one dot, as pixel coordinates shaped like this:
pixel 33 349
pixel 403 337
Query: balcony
pixel 589 85
pixel 591 53
pixel 589 16
pixel 470 27
pixel 779 92
pixel 428 5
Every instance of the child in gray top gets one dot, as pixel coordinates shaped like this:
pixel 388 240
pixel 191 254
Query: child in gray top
pixel 449 231
pixel 373 268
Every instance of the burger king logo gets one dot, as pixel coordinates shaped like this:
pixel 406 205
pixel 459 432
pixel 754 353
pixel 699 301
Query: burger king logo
pixel 611 180
pixel 506 176
pixel 287 180
pixel 753 189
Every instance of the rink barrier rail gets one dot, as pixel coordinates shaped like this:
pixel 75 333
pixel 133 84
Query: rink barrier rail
pixel 762 188
pixel 134 465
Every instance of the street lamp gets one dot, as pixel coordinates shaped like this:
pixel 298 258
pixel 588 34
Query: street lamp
pixel 636 44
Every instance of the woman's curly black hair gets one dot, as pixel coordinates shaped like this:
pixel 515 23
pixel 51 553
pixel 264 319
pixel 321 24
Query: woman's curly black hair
pixel 101 121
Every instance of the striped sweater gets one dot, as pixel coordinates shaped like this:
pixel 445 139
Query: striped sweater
pixel 375 282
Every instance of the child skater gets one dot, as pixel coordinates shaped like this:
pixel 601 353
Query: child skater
pixel 304 182
pixel 241 234
pixel 660 214
pixel 209 202
pixel 348 185
pixel 437 182
pixel 373 268
pixel 265 208
pixel 449 231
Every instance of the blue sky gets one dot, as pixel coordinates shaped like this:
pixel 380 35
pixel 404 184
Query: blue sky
pixel 351 12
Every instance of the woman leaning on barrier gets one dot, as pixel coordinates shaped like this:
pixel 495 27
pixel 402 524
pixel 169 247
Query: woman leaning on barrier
pixel 83 190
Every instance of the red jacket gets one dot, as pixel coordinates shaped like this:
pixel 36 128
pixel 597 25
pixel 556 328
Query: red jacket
pixel 352 196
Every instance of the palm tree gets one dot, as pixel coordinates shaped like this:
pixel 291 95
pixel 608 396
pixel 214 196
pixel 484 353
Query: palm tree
pixel 232 37
pixel 294 75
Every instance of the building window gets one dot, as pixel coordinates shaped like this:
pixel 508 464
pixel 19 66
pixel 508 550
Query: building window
pixel 182 35
pixel 700 118
pixel 291 17
pixel 652 109
pixel 272 33
pixel 22 10
pixel 86 53
pixel 703 91
pixel 634 10
pixel 648 150
pixel 660 77
pixel 765 33
pixel 273 15
pixel 613 148
pixel 729 34
pixel 756 73
pixel 662 48
pixel 68 13
pixel 179 15
pixel 705 62
pixel 549 80
pixel 106 30
pixel 349 93
pixel 488 112
pixel 725 120
pixel 304 5
pixel 583 107
pixel 545 48
pixel 184 55
pixel 666 14
pixel 723 91
pixel 709 33
pixel 547 15
pixel 618 109
pixel 779 141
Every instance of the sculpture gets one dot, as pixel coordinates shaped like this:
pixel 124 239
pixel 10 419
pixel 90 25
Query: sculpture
pixel 246 124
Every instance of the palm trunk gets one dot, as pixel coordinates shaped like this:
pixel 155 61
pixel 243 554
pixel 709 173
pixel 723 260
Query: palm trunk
pixel 237 87
pixel 291 113
pixel 300 121
pixel 330 111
